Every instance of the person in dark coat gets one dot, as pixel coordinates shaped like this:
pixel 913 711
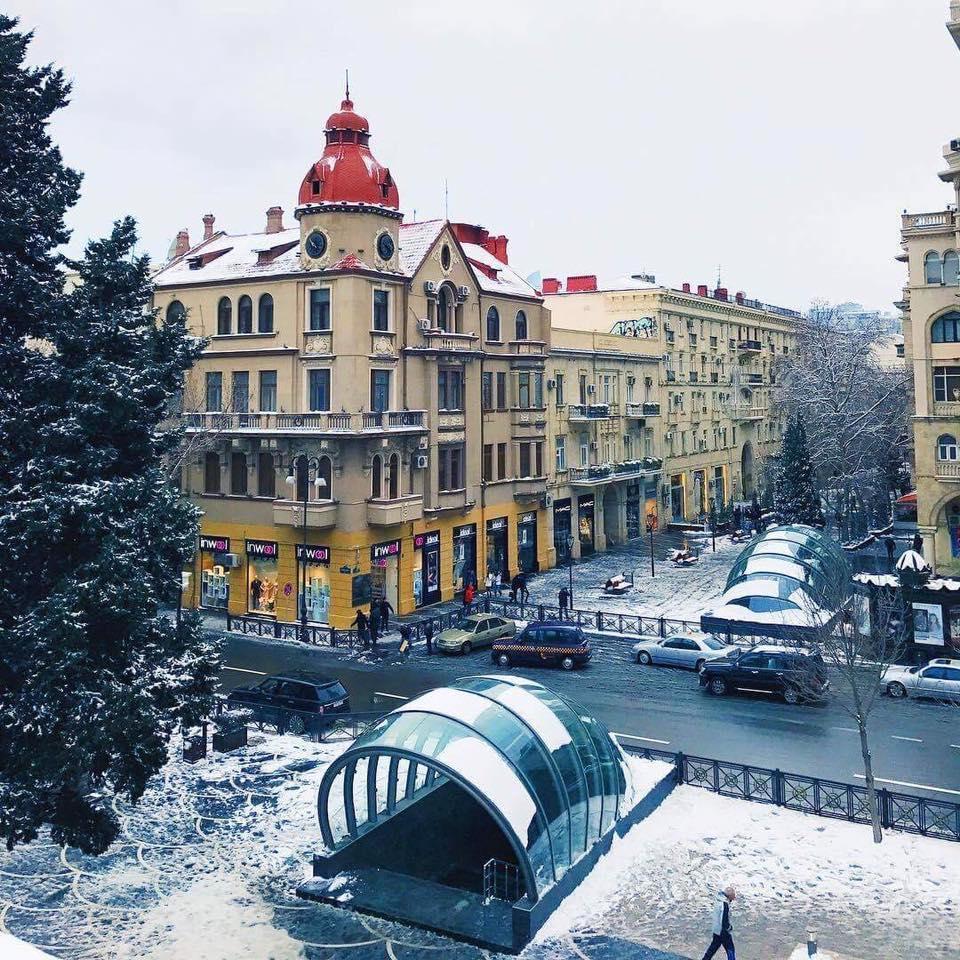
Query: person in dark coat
pixel 386 608
pixel 405 633
pixel 891 545
pixel 563 598
pixel 374 624
pixel 722 925
pixel 428 636
pixel 363 628
pixel 918 544
pixel 737 517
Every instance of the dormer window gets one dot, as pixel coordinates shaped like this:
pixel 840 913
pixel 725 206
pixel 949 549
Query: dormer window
pixel 315 188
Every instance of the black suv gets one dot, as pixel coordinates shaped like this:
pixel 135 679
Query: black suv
pixel 294 701
pixel 794 675
pixel 542 644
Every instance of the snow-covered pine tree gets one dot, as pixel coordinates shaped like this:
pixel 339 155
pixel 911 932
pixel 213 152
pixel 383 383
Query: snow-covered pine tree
pixel 93 537
pixel 797 499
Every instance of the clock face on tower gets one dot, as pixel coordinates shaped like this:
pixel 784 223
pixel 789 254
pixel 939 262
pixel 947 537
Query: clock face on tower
pixel 316 245
pixel 385 246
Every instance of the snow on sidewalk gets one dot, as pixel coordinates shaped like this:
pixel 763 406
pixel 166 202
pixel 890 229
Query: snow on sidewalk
pixel 793 872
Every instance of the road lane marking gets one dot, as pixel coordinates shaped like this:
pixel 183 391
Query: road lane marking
pixel 846 729
pixel 259 673
pixel 908 739
pixel 392 696
pixel 956 746
pixel 916 786
pixel 799 723
pixel 630 736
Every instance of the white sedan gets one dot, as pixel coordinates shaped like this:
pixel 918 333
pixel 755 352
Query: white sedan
pixel 939 679
pixel 682 650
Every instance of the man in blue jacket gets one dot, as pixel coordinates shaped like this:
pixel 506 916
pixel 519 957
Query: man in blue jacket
pixel 722 925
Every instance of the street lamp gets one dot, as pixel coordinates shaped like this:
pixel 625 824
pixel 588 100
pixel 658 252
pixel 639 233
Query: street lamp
pixel 651 526
pixel 570 566
pixel 319 483
pixel 713 524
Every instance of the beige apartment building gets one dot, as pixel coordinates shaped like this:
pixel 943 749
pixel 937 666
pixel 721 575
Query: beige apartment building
pixel 389 375
pixel 931 328
pixel 665 411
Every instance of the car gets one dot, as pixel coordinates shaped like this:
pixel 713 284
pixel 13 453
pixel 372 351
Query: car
pixel 544 644
pixel 939 679
pixel 682 650
pixel 792 673
pixel 475 630
pixel 298 700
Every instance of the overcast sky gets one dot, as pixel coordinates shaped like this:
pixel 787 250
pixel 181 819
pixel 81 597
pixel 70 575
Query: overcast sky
pixel 778 138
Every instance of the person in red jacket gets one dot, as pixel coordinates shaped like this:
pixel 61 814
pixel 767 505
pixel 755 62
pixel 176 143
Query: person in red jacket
pixel 468 595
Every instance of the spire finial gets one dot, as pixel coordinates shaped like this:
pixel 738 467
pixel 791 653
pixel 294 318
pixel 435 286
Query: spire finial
pixel 348 83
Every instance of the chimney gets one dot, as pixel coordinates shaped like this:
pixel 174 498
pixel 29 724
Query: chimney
pixel 740 296
pixel 551 285
pixel 686 288
pixel 720 293
pixel 274 220
pixel 585 283
pixel 701 289
pixel 208 225
pixel 501 248
pixel 183 243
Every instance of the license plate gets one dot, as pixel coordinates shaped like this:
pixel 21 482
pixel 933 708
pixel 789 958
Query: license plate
pixel 335 704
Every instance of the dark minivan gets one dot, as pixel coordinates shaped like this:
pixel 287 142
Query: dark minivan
pixel 297 701
pixel 544 644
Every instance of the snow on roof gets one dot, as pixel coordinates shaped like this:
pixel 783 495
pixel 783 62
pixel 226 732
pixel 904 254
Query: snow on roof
pixel 416 239
pixel 507 282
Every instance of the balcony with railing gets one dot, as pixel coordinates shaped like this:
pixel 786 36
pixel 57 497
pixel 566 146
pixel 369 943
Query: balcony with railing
pixel 746 411
pixel 592 411
pixel 316 422
pixel 754 379
pixel 321 514
pixel 528 348
pixel 388 513
pixel 946 409
pixel 604 473
pixel 918 224
pixel 748 347
pixel 444 341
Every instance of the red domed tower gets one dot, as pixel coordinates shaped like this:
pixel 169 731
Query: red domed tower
pixel 348 172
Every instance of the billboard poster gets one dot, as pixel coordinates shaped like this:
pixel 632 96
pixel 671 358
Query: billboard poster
pixel 928 624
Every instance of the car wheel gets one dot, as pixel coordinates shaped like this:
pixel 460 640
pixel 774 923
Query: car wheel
pixel 718 686
pixel 567 663
pixel 503 660
pixel 644 658
pixel 295 725
pixel 791 695
pixel 896 690
pixel 466 647
pixel 698 666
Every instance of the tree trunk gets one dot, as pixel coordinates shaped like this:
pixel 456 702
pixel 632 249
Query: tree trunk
pixel 872 799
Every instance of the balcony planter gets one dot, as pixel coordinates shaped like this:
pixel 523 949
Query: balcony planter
pixel 630 466
pixel 231 733
pixel 595 473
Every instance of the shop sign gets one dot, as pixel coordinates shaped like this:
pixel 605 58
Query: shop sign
pixel 465 532
pixel 500 523
pixel 262 548
pixel 381 551
pixel 209 544
pixel 561 508
pixel 585 503
pixel 928 624
pixel 528 517
pixel 430 539
pixel 310 554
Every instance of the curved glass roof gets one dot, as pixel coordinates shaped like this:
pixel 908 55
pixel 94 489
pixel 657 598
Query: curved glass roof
pixel 798 557
pixel 548 773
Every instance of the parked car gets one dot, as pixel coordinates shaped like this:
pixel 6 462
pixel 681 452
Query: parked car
pixel 682 650
pixel 298 700
pixel 940 678
pixel 544 644
pixel 793 674
pixel 475 630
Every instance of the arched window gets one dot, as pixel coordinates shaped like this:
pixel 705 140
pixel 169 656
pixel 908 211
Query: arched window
pixel 947 447
pixel 493 325
pixel 265 314
pixel 932 268
pixel 245 315
pixel 443 308
pixel 951 268
pixel 946 329
pixel 211 473
pixel 175 312
pixel 224 317
pixel 238 473
pixel 325 473
pixel 394 477
pixel 521 325
pixel 376 478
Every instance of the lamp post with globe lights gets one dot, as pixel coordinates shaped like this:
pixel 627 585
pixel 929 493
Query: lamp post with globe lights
pixel 304 462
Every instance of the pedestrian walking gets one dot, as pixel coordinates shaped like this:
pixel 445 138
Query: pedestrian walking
pixel 522 588
pixel 502 581
pixel 428 636
pixel 363 628
pixel 468 594
pixel 563 598
pixel 404 639
pixel 891 545
pixel 918 544
pixel 722 925
pixel 374 624
pixel 490 581
pixel 386 608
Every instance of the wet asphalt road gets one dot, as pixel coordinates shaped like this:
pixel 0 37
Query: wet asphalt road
pixel 915 743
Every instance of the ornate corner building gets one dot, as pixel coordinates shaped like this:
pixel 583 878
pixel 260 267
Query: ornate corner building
pixel 931 328
pixel 370 392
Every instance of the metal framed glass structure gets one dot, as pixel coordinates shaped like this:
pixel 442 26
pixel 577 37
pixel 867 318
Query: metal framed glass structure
pixel 550 775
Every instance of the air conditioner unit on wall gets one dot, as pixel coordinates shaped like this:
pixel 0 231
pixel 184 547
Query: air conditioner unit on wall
pixel 591 389
pixel 424 324
pixel 631 380
pixel 463 292
pixel 551 384
pixel 429 287
pixel 668 436
pixel 422 461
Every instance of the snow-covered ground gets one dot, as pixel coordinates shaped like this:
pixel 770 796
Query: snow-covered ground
pixel 792 872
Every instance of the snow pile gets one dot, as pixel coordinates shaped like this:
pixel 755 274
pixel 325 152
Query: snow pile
pixel 13 949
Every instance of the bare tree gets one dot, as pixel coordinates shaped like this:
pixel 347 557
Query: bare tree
pixel 854 411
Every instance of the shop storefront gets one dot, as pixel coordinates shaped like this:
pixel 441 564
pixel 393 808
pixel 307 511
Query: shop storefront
pixel 676 498
pixel 426 568
pixel 497 548
pixel 464 556
pixel 718 494
pixel 585 508
pixel 527 542
pixel 651 518
pixel 313 579
pixel 561 527
pixel 385 572
pixel 214 572
pixel 262 577
pixel 699 495
pixel 634 528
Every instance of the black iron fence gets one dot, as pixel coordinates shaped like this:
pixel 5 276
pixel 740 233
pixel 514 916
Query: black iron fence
pixel 823 798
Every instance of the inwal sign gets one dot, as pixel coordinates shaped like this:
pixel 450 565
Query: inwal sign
pixel 389 548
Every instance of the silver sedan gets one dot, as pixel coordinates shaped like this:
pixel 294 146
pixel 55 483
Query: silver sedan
pixel 681 650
